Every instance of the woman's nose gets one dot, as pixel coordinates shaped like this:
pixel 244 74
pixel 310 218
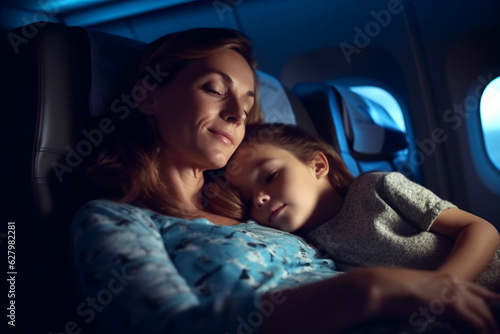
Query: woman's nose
pixel 234 112
pixel 260 199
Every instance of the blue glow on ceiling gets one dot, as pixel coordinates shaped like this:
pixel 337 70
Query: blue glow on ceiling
pixel 15 13
pixel 66 5
pixel 114 10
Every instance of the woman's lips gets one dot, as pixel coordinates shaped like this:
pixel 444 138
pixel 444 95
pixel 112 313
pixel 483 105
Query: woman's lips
pixel 224 136
pixel 275 212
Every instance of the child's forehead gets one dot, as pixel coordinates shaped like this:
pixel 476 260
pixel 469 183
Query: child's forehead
pixel 253 148
pixel 251 156
pixel 248 161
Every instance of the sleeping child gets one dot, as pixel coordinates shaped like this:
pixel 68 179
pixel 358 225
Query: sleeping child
pixel 290 180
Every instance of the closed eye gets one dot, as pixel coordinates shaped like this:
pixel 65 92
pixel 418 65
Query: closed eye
pixel 213 91
pixel 271 177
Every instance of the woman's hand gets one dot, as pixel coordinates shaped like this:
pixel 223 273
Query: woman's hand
pixel 421 297
pixel 412 298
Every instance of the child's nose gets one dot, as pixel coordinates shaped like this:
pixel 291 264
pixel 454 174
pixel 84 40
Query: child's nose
pixel 261 199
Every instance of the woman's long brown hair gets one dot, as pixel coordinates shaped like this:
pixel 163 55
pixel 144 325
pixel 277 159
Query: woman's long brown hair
pixel 128 169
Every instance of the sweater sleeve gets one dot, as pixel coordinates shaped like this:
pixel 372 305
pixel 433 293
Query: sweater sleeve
pixel 129 284
pixel 417 204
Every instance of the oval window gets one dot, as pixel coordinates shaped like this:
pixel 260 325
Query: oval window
pixel 490 120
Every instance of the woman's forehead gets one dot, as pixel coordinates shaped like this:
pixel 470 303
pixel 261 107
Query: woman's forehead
pixel 228 64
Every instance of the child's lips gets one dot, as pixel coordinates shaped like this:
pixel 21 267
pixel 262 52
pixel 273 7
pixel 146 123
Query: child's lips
pixel 275 211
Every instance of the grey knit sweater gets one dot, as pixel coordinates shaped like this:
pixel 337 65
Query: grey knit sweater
pixel 386 221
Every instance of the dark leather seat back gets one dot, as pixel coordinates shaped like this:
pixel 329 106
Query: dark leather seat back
pixel 52 80
pixel 47 79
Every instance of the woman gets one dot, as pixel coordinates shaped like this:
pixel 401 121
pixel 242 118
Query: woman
pixel 164 255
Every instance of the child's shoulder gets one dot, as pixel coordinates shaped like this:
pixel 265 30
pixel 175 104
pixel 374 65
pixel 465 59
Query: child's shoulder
pixel 365 184
pixel 372 180
pixel 375 177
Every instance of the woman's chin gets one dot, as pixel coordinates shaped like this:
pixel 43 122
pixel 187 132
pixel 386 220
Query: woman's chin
pixel 218 160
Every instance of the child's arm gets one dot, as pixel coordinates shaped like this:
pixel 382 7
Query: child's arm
pixel 476 241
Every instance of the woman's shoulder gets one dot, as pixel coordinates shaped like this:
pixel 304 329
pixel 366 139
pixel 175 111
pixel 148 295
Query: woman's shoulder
pixel 103 211
pixel 108 207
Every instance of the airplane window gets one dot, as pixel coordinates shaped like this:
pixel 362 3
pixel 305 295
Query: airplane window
pixel 385 99
pixel 490 120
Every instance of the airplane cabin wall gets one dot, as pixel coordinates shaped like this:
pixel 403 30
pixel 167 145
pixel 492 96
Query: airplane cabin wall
pixel 407 54
pixel 430 55
pixel 420 42
pixel 461 49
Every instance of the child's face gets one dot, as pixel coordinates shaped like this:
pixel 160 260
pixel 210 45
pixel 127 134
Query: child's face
pixel 281 191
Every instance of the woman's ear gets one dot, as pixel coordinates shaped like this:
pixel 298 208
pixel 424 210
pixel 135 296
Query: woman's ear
pixel 145 102
pixel 320 165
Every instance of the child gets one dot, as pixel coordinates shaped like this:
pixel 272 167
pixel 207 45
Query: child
pixel 294 182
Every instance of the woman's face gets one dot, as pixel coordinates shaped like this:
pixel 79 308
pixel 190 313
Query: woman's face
pixel 200 114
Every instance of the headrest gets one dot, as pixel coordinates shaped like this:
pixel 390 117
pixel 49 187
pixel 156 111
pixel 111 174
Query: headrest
pixel 112 61
pixel 368 126
pixel 113 58
pixel 274 100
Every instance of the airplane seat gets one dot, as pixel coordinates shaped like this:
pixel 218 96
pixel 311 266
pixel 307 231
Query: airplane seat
pixel 280 105
pixel 62 85
pixel 45 103
pixel 361 130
